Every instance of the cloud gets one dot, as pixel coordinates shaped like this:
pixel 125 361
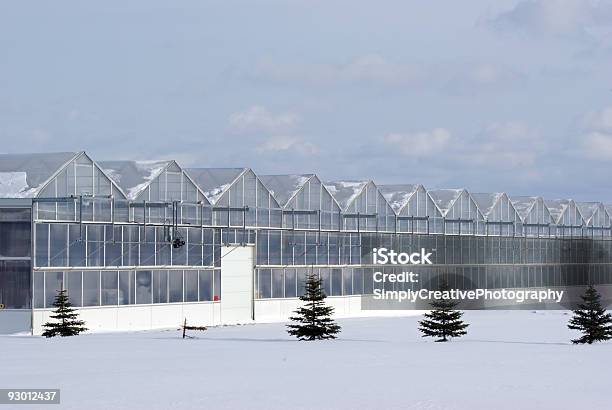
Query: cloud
pixel 454 77
pixel 271 133
pixel 598 146
pixel 288 143
pixel 258 119
pixel 556 17
pixel 510 144
pixel 596 140
pixel 599 120
pixel 481 76
pixel 369 68
pixel 423 143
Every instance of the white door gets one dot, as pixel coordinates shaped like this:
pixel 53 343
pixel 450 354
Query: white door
pixel 237 284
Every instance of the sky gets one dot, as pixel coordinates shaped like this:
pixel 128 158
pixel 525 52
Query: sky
pixel 490 95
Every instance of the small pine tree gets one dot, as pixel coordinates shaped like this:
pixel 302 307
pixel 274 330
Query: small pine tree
pixel 67 323
pixel 591 319
pixel 313 319
pixel 443 321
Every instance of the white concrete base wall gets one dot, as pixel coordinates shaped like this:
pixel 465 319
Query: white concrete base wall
pixel 172 315
pixel 15 321
pixel 279 310
pixel 139 317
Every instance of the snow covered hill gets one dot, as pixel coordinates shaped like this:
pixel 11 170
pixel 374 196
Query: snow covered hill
pixel 508 360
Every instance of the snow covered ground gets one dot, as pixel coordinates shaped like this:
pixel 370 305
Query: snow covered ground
pixel 508 360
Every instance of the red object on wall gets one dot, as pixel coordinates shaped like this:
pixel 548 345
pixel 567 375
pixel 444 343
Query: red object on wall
pixel 216 298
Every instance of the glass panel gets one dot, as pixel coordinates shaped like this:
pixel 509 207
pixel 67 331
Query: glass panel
pixel 113 246
pixel 15 239
pixel 91 288
pixel 176 285
pixel 95 245
pixel 301 282
pixel 42 245
pixel 76 248
pixel 264 283
pixel 15 284
pixel 126 287
pixel 205 285
pixel 325 280
pixel 160 286
pixel 109 287
pixel 143 287
pixel 347 281
pixel 290 283
pixel 39 289
pixel 73 282
pixel 217 284
pixel 278 287
pixel 191 286
pixel 53 284
pixel 58 245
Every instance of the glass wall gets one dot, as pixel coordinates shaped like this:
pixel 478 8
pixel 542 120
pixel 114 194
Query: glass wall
pixel 15 264
pixel 470 261
pixel 83 245
pixel 126 287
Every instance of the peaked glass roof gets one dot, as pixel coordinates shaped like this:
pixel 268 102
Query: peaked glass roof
pixel 214 181
pixel 486 201
pixel 398 195
pixel 345 191
pixel 284 187
pixel 556 207
pixel 587 209
pixel 523 204
pixel 133 176
pixel 444 198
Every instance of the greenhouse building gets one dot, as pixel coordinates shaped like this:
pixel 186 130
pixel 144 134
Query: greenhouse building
pixel 148 244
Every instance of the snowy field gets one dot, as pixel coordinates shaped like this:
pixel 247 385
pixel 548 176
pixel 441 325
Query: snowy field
pixel 508 360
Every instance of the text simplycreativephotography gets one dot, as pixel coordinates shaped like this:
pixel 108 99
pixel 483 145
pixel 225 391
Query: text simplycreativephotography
pixel 384 256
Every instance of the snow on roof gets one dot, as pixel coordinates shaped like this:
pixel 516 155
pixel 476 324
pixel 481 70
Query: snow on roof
pixel 214 181
pixel 587 209
pixel 345 192
pixel 23 175
pixel 398 195
pixel 444 198
pixel 133 176
pixel 14 185
pixel 556 207
pixel 523 204
pixel 284 187
pixel 486 201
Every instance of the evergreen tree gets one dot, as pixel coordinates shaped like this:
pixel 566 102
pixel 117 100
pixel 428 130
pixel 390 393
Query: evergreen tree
pixel 66 323
pixel 443 321
pixel 313 319
pixel 591 319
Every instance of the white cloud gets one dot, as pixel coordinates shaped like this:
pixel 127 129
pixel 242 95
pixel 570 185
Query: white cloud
pixel 599 120
pixel 596 141
pixel 503 145
pixel 598 146
pixel 258 119
pixel 370 68
pixel 468 78
pixel 423 143
pixel 556 16
pixel 507 144
pixel 288 143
